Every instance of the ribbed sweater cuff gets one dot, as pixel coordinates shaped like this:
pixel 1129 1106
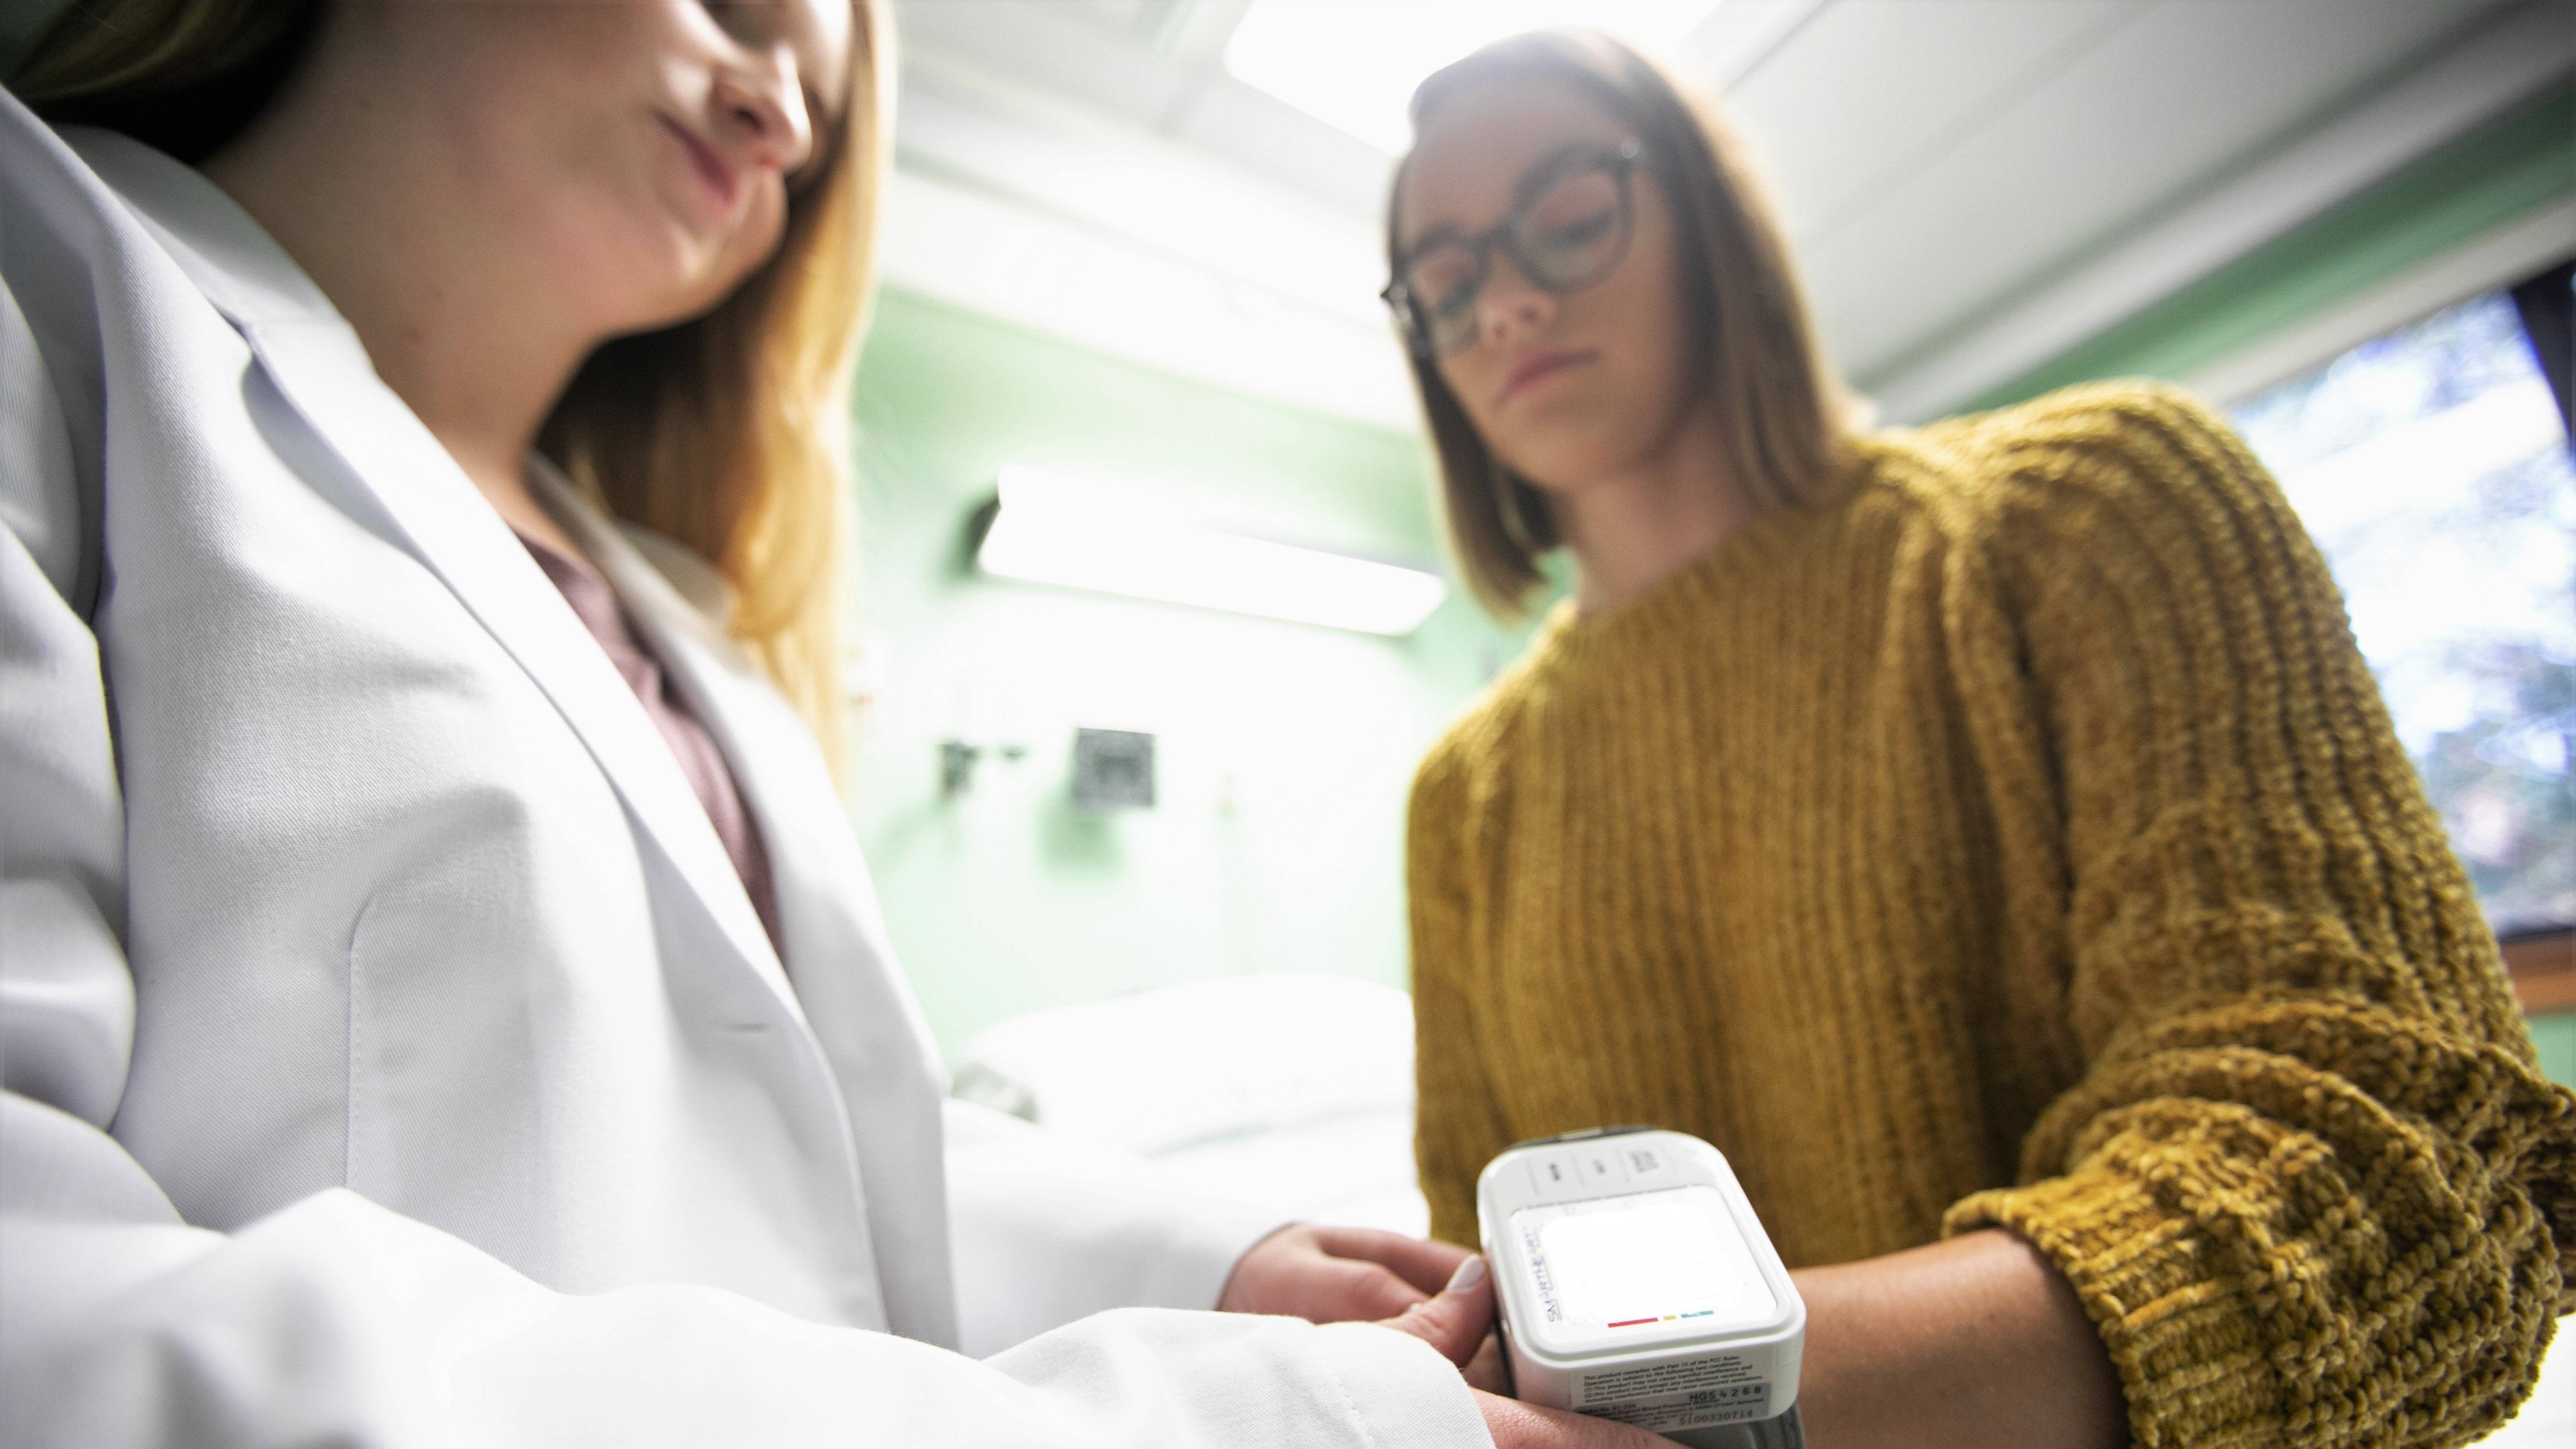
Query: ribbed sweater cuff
pixel 2191 1370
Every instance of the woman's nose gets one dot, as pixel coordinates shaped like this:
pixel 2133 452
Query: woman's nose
pixel 760 97
pixel 1509 307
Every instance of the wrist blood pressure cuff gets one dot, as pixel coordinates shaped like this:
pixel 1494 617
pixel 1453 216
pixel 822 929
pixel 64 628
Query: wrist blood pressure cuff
pixel 1636 1284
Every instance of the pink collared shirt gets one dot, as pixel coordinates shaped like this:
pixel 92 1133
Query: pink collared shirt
pixel 596 605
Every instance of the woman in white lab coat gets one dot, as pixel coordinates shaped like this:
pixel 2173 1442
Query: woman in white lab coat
pixel 442 1001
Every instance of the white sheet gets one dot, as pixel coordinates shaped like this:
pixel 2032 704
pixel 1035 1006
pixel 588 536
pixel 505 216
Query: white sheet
pixel 1291 1091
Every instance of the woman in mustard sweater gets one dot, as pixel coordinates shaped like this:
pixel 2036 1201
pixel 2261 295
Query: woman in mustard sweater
pixel 1986 834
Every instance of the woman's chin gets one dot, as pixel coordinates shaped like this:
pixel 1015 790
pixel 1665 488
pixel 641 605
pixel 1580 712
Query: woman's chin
pixel 702 272
pixel 672 278
pixel 1561 466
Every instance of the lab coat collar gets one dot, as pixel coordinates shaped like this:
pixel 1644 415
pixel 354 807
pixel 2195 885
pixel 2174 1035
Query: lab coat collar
pixel 230 257
pixel 429 504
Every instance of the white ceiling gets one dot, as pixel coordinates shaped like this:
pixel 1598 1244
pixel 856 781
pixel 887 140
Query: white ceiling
pixel 1973 185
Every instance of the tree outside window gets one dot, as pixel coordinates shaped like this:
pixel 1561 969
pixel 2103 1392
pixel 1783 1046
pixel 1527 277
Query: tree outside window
pixel 2432 465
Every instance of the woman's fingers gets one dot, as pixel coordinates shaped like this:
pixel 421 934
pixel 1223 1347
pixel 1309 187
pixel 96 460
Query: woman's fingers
pixel 1487 1370
pixel 1372 1293
pixel 1293 1272
pixel 1455 1319
pixel 1418 1261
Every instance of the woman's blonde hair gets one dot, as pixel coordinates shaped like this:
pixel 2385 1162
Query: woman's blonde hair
pixel 729 433
pixel 1781 411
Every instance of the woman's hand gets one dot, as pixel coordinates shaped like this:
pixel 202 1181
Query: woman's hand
pixel 1459 1321
pixel 1516 1425
pixel 1437 1292
pixel 1338 1275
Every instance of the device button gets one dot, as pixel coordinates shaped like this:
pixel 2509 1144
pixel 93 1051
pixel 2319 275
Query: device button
pixel 1599 1165
pixel 1554 1175
pixel 1647 1162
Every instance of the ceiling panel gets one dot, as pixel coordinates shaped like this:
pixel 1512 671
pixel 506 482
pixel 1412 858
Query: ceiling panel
pixel 1157 65
pixel 1868 90
pixel 2441 96
pixel 1158 195
pixel 1078 52
pixel 1938 161
pixel 1264 134
pixel 2160 108
pixel 1042 270
pixel 1738 36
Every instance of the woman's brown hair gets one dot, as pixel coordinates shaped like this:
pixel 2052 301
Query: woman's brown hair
pixel 1780 408
pixel 729 433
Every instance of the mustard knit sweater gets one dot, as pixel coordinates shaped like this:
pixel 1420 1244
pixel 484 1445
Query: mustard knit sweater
pixel 2019 840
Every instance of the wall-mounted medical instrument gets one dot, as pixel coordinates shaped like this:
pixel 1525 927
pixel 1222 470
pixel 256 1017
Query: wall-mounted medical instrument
pixel 1112 770
pixel 1636 1284
pixel 958 758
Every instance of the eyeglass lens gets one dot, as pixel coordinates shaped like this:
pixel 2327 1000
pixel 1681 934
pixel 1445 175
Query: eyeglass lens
pixel 1563 239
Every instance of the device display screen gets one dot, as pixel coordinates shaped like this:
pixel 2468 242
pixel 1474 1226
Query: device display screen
pixel 1649 1267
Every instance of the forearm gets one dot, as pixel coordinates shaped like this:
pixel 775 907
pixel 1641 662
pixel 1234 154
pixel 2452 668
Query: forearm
pixel 1975 1341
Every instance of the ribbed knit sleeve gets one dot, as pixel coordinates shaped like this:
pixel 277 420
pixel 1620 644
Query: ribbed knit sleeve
pixel 1456 1127
pixel 2309 1184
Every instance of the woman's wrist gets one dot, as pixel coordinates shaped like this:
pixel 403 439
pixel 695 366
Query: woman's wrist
pixel 1974 1341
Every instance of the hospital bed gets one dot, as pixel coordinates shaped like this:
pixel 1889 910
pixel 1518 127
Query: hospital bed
pixel 1291 1091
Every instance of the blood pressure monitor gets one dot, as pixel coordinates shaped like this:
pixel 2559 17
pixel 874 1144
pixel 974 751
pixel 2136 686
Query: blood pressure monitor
pixel 1636 1284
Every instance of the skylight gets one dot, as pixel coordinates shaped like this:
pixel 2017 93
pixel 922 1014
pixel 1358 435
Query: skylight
pixel 1355 66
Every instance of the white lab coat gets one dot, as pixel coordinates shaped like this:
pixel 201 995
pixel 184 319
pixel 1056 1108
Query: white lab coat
pixel 392 1055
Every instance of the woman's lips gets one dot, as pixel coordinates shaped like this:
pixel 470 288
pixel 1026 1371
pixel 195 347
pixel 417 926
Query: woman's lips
pixel 723 185
pixel 1530 370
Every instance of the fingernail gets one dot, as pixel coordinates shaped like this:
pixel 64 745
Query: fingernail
pixel 1469 1274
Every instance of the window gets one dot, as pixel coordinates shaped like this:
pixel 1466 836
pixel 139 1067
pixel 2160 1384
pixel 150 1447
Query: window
pixel 2432 465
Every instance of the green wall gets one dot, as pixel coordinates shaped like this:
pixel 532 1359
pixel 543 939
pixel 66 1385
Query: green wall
pixel 1284 751
pixel 2511 167
pixel 2555 1035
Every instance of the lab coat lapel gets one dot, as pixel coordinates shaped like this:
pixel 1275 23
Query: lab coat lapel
pixel 862 1012
pixel 466 543
pixel 397 470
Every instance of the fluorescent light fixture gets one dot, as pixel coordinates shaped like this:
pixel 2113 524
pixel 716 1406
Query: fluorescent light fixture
pixel 1057 530
pixel 1355 66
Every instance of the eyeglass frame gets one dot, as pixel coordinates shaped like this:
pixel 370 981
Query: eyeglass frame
pixel 1620 161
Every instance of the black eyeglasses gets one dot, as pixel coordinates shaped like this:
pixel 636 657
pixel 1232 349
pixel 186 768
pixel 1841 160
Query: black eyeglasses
pixel 1568 228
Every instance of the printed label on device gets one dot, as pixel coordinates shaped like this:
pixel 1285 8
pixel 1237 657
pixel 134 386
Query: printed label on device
pixel 1666 1380
pixel 1699 1409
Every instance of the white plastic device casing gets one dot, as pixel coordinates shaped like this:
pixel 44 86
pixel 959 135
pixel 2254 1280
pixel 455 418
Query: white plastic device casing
pixel 1712 1328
